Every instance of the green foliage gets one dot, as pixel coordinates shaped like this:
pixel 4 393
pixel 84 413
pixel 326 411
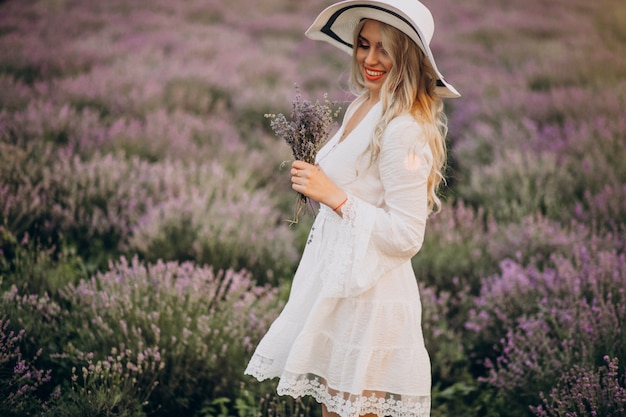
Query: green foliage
pixel 263 402
pixel 117 386
pixel 205 324
pixel 37 269
pixel 455 247
pixel 519 184
pixel 454 385
pixel 195 95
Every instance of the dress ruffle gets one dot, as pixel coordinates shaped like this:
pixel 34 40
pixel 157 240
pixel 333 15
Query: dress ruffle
pixel 343 403
pixel 354 405
pixel 371 368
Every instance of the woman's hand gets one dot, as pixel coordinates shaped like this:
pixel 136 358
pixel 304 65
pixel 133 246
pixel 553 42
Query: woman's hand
pixel 311 181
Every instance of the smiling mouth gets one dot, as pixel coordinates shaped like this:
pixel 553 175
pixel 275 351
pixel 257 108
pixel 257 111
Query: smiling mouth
pixel 373 75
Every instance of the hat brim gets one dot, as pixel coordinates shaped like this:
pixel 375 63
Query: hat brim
pixel 336 25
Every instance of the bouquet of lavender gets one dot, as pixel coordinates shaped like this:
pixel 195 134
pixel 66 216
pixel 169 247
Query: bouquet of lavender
pixel 305 132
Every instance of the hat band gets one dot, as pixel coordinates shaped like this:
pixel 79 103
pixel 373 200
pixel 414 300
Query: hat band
pixel 327 28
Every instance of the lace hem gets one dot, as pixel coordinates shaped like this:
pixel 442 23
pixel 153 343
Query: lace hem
pixel 354 405
pixel 261 368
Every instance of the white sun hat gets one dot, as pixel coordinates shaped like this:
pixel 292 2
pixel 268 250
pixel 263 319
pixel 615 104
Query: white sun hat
pixel 336 25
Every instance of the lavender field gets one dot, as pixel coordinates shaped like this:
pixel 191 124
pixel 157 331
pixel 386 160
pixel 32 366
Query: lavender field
pixel 143 243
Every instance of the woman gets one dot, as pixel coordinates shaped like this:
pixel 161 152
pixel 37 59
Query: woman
pixel 350 334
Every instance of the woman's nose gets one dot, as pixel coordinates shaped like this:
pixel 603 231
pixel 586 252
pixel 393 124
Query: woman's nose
pixel 372 57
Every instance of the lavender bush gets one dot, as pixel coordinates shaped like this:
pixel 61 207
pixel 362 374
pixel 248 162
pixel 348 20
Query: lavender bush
pixel 550 177
pixel 120 384
pixel 42 319
pixel 455 246
pixel 137 129
pixel 167 337
pixel 37 270
pixel 219 223
pixel 543 322
pixel 91 206
pixel 464 245
pixel 583 392
pixel 204 324
pixel 443 314
pixel 23 384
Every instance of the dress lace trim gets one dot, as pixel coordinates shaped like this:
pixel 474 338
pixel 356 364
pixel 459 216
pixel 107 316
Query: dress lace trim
pixel 339 257
pixel 346 246
pixel 349 211
pixel 354 405
pixel 261 368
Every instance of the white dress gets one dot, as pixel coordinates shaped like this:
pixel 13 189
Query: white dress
pixel 350 334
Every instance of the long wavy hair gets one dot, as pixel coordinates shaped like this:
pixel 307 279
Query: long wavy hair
pixel 408 88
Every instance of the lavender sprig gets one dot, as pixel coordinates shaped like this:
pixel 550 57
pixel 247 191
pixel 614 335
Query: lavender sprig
pixel 305 132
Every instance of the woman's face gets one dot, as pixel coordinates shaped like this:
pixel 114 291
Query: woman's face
pixel 374 62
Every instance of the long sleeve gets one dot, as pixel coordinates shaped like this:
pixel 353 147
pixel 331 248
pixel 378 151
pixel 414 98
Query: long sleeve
pixel 372 240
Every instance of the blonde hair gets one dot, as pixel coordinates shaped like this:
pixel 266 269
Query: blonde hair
pixel 408 88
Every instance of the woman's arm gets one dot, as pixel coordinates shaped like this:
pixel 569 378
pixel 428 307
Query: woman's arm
pixel 404 165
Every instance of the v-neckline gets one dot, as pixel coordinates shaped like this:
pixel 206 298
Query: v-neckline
pixel 337 141
pixel 343 137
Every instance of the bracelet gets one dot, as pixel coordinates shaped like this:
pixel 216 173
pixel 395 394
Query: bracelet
pixel 340 205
